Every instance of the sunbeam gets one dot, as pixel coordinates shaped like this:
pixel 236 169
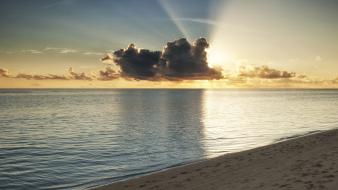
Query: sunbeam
pixel 173 16
pixel 218 54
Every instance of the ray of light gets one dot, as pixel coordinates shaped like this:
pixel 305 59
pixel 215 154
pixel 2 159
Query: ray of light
pixel 201 21
pixel 218 54
pixel 172 14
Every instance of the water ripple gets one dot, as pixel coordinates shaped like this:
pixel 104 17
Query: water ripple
pixel 76 139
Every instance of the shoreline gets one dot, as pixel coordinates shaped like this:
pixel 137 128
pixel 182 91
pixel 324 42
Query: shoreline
pixel 303 162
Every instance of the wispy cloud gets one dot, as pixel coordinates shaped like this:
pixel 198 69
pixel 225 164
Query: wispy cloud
pixel 71 75
pixel 61 50
pixel 68 51
pixel 31 51
pixel 57 50
pixel 92 53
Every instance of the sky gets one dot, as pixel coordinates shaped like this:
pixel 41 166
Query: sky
pixel 256 43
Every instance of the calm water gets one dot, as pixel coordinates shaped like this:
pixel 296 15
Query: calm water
pixel 75 139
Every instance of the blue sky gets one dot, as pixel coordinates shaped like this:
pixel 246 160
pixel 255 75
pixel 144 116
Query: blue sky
pixel 92 24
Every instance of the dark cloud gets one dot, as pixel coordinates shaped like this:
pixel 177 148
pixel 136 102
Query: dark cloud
pixel 138 64
pixel 264 72
pixel 108 74
pixel 180 60
pixel 188 61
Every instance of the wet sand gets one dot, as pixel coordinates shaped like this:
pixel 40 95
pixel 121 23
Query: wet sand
pixel 308 162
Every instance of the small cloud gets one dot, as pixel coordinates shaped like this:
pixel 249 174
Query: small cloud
pixel 263 72
pixel 92 53
pixel 61 50
pixel 107 57
pixel 4 72
pixel 31 51
pixel 78 76
pixel 40 77
pixel 108 74
pixel 66 50
pixel 51 48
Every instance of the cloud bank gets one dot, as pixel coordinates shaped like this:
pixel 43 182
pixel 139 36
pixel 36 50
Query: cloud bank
pixel 70 76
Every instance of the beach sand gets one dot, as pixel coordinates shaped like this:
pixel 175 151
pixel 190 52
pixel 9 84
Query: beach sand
pixel 308 162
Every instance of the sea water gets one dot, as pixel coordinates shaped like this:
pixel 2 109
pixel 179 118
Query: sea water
pixel 77 139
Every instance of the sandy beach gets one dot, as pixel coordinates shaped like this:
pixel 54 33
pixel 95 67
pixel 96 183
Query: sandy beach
pixel 307 162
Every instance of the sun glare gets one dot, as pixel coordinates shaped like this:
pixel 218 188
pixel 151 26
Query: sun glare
pixel 217 57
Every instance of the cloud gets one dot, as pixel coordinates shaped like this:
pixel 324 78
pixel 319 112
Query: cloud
pixel 108 74
pixel 184 60
pixel 31 51
pixel 71 76
pixel 138 64
pixel 335 81
pixel 4 72
pixel 66 50
pixel 78 76
pixel 55 50
pixel 179 60
pixel 92 53
pixel 265 77
pixel 61 50
pixel 107 57
pixel 264 72
pixel 40 77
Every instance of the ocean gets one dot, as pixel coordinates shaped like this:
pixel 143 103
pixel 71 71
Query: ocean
pixel 77 139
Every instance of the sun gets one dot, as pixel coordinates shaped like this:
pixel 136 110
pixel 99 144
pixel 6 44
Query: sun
pixel 217 57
